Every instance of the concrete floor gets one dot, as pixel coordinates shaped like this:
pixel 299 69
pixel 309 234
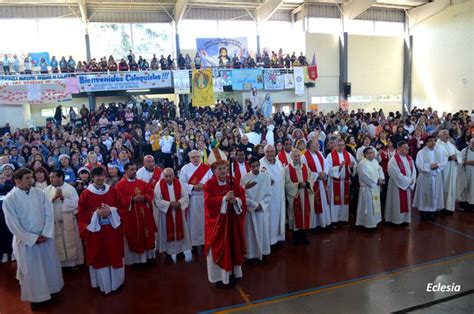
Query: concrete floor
pixel 346 270
pixel 384 293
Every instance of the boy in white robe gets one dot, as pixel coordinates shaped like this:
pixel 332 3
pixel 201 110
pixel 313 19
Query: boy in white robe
pixel 371 178
pixel 66 230
pixel 429 196
pixel 258 195
pixel 173 231
pixel 277 208
pixel 450 172
pixel 29 216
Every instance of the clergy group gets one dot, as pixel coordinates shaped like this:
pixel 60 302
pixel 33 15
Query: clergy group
pixel 228 209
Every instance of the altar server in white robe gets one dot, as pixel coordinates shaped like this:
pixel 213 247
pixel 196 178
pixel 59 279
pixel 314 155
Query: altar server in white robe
pixel 30 218
pixel 171 203
pixel 429 196
pixel 258 195
pixel 450 172
pixel 466 178
pixel 401 185
pixel 319 169
pixel 277 209
pixel 193 176
pixel 66 230
pixel 371 178
pixel 342 166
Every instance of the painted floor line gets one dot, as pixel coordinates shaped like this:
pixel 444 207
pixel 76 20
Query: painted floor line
pixel 337 285
pixel 445 227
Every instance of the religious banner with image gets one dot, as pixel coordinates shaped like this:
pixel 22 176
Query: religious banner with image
pixel 203 88
pixel 273 80
pixel 181 82
pixel 289 81
pixel 219 51
pixel 298 73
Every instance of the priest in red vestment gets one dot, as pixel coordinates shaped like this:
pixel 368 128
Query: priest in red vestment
pixel 101 230
pixel 137 217
pixel 225 210
pixel 284 156
pixel 241 166
pixel 149 173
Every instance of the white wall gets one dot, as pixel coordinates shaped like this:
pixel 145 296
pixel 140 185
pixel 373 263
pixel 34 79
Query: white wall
pixel 326 48
pixel 443 60
pixel 376 68
pixel 13 114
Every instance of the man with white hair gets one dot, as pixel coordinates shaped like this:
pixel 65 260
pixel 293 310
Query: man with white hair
pixel 277 209
pixel 246 146
pixel 171 203
pixel 450 172
pixel 466 178
pixel 193 176
pixel 299 196
pixel 341 166
pixel 149 173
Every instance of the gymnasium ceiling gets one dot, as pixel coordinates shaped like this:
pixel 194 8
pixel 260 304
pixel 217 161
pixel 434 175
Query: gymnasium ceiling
pixel 176 10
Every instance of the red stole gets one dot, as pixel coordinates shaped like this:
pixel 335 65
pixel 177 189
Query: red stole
pixel 318 202
pixel 300 222
pixel 282 157
pixel 170 226
pixel 198 174
pixel 237 173
pixel 155 177
pixel 336 184
pixel 402 193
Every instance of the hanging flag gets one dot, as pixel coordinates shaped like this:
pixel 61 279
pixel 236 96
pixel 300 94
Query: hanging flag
pixel 313 69
pixel 203 88
pixel 298 72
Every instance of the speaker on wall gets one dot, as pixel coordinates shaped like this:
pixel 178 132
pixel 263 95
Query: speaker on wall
pixel 347 89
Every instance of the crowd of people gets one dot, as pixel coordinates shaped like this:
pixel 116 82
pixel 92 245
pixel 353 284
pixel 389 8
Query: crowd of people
pixel 125 181
pixel 267 59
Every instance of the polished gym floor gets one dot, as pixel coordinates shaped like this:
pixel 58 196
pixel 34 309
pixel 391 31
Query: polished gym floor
pixel 346 270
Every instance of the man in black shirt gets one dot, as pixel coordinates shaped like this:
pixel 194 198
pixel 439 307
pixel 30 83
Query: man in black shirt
pixel 246 146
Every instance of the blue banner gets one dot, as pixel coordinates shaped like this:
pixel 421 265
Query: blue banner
pixel 220 51
pixel 36 57
pixel 246 79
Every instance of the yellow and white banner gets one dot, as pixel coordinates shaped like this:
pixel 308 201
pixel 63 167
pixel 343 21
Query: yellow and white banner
pixel 203 88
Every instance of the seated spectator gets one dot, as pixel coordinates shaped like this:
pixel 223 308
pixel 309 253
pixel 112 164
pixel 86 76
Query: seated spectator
pixel 112 64
pixel 123 66
pixel 43 65
pixel 133 65
pixel 6 64
pixel 71 64
pixel 154 64
pixel 54 65
pixel 188 62
pixel 181 62
pixel 163 63
pixel 63 64
pixel 80 67
pixel 27 65
pixel 145 65
pixel 197 61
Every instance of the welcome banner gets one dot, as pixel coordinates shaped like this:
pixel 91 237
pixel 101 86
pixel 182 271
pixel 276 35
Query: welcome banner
pixel 203 88
pixel 124 81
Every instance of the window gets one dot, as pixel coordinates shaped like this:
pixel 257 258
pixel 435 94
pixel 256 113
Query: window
pixel 389 98
pixel 46 113
pixel 389 29
pixel 189 30
pixel 325 100
pixel 149 39
pixel 359 99
pixel 110 39
pixel 276 34
pixel 360 27
pixel 325 25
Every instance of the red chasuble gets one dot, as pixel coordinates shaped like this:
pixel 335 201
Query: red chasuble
pixel 402 193
pixel 301 222
pixel 103 248
pixel 337 182
pixel 282 157
pixel 198 174
pixel 224 233
pixel 178 221
pixel 137 217
pixel 318 202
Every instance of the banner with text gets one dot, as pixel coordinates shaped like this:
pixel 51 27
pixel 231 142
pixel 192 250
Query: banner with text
pixel 124 81
pixel 273 80
pixel 35 92
pixel 219 51
pixel 246 79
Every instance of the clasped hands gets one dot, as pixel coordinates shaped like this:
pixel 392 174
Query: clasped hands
pixel 104 211
pixel 229 197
